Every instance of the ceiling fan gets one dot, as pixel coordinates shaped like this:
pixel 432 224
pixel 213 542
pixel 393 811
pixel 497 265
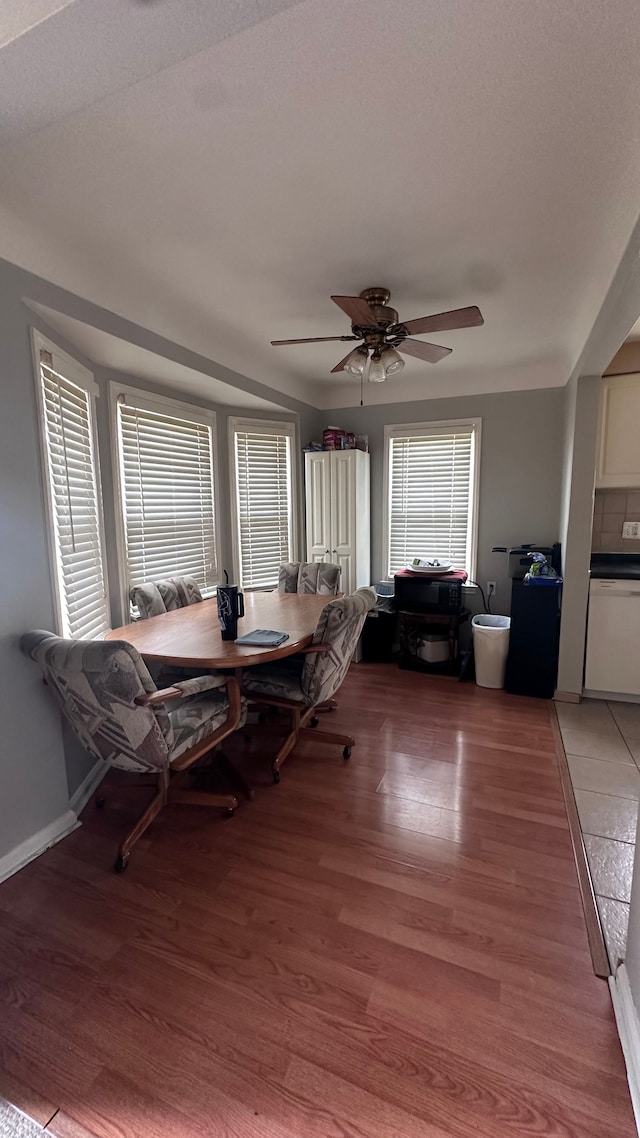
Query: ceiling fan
pixel 384 336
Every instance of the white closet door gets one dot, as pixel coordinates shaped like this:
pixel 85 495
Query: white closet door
pixel 343 516
pixel 318 494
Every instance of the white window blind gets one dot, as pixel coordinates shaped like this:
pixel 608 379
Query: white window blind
pixel 432 490
pixel 166 484
pixel 74 504
pixel 264 504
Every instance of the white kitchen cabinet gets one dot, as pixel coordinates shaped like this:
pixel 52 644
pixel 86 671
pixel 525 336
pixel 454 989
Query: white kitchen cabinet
pixel 613 637
pixel 619 448
pixel 338 513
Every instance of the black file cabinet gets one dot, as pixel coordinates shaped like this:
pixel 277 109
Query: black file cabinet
pixel 532 663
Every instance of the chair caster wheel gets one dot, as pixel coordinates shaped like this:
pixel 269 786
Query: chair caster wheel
pixel 346 754
pixel 230 811
pixel 314 721
pixel 99 802
pixel 121 864
pixel 276 776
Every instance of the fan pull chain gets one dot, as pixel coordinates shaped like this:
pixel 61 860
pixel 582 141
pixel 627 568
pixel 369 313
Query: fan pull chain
pixel 361 389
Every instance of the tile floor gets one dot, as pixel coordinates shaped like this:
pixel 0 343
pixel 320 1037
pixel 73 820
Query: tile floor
pixel 602 742
pixel 13 1124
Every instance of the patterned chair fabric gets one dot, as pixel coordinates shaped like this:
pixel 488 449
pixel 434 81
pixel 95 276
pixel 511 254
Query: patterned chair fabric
pixel 309 577
pixel 319 674
pixel 96 682
pixel 288 577
pixel 155 597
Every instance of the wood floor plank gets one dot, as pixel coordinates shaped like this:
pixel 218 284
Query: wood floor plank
pixel 390 946
pixel 45 1057
pixel 121 1108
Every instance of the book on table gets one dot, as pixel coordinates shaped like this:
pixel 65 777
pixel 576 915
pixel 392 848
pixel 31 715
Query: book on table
pixel 263 638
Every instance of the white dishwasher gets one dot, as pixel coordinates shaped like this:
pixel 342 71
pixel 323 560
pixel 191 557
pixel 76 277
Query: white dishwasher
pixel 613 637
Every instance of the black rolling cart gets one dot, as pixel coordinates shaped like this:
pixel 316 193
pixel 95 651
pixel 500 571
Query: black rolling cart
pixel 429 607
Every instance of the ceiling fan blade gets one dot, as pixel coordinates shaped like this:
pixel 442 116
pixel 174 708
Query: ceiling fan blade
pixel 429 352
pixel 357 310
pixel 312 340
pixel 445 321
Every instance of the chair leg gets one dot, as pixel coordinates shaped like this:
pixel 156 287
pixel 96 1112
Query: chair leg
pixel 347 741
pixel 228 802
pixel 327 736
pixel 145 820
pixel 288 745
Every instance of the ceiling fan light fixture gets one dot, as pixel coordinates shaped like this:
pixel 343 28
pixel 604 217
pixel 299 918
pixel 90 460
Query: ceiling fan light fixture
pixel 392 360
pixel 377 370
pixel 356 361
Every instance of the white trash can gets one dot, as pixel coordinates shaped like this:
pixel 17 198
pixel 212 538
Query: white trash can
pixel 490 647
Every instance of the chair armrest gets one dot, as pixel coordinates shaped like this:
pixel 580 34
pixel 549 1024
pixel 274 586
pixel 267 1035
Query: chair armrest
pixel 182 689
pixel 151 698
pixel 313 648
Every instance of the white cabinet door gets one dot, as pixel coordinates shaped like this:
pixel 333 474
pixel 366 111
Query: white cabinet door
pixel 619 456
pixel 613 637
pixel 343 515
pixel 318 499
pixel 337 499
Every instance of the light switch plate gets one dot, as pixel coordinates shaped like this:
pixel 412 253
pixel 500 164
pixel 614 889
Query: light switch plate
pixel 631 529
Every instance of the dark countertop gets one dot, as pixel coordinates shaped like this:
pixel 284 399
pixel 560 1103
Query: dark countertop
pixel 616 566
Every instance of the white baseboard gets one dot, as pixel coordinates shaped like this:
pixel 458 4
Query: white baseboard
pixel 79 799
pixel 35 845
pixel 566 696
pixel 612 696
pixel 629 1032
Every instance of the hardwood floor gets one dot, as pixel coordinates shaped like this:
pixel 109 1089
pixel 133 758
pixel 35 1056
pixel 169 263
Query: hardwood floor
pixel 389 946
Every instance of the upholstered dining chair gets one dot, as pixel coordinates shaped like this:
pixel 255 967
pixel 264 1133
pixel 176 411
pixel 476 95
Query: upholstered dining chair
pixel 155 597
pixel 320 670
pixel 309 577
pixel 119 715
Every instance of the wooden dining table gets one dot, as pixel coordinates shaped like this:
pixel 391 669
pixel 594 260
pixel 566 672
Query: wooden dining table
pixel 190 637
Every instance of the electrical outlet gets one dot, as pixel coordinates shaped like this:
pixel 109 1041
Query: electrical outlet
pixel 491 588
pixel 631 529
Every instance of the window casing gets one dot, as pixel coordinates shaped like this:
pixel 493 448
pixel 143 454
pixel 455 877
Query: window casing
pixel 66 395
pixel 431 493
pixel 166 490
pixel 264 502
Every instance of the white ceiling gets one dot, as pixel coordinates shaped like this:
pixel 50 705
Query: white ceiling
pixel 455 152
pixel 118 355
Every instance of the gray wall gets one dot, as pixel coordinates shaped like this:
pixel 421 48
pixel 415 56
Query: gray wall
pixel 520 469
pixel 580 439
pixel 568 437
pixel 33 787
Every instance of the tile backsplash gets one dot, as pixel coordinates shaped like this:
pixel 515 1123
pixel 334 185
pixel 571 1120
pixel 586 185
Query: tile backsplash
pixel 611 509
